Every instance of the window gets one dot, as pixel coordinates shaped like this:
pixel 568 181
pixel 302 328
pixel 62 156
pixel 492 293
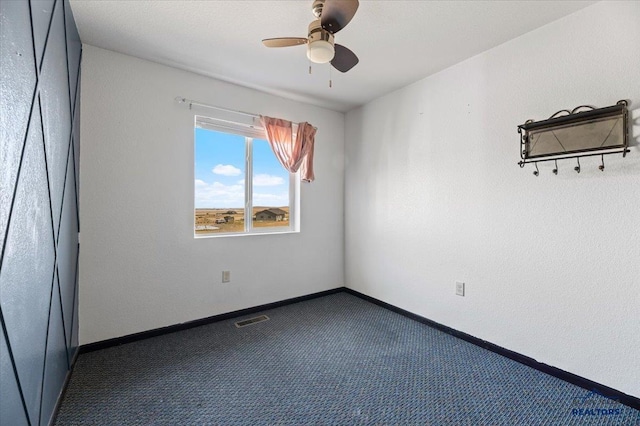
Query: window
pixel 240 187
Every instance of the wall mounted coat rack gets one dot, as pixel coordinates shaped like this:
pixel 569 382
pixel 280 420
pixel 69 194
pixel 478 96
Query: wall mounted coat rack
pixel 574 134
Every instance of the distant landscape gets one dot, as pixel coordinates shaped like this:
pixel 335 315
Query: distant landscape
pixel 231 219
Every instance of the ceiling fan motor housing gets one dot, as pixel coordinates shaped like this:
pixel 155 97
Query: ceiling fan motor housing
pixel 316 32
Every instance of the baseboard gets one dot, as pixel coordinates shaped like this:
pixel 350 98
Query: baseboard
pixel 103 344
pixel 590 385
pixel 63 391
pixel 582 382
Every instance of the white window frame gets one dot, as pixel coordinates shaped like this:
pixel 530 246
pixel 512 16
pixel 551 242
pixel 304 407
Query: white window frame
pixel 249 131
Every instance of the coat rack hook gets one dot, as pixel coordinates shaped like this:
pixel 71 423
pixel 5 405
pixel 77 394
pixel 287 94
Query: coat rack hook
pixel 577 168
pixel 555 170
pixel 601 166
pixel 536 172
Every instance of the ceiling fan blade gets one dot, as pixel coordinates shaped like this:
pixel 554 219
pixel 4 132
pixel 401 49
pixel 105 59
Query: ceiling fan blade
pixel 284 41
pixel 344 58
pixel 336 14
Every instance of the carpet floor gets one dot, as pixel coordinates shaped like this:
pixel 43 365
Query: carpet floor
pixel 334 360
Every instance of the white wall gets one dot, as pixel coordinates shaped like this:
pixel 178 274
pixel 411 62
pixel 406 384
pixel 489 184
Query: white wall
pixel 140 266
pixel 434 195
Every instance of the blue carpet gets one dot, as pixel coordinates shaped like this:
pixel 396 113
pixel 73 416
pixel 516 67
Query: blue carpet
pixel 335 360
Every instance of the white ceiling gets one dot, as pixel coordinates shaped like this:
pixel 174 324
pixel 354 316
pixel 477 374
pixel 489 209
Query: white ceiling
pixel 398 42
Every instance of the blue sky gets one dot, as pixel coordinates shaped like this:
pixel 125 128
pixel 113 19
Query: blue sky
pixel 220 172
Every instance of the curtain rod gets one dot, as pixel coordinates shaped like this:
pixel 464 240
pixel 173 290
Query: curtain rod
pixel 191 102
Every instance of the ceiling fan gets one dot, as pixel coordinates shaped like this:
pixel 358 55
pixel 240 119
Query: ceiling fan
pixel 332 16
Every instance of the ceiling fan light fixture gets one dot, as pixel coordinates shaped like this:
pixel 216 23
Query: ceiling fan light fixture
pixel 320 51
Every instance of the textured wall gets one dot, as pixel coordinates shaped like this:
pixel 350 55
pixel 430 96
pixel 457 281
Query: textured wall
pixel 140 266
pixel 39 61
pixel 434 195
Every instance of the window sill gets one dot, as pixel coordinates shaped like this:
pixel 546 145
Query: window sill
pixel 245 234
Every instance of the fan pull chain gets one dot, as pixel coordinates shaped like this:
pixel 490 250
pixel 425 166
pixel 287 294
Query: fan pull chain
pixel 330 81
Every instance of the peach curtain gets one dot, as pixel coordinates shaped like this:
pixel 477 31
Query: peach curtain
pixel 293 153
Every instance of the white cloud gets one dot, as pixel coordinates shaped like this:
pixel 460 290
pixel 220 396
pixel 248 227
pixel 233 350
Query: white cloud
pixel 226 170
pixel 277 200
pixel 218 195
pixel 267 180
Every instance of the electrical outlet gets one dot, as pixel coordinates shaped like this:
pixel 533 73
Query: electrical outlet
pixel 226 276
pixel 459 288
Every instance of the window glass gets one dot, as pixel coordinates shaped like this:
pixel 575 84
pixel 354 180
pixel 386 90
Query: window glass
pixel 270 188
pixel 226 159
pixel 219 182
